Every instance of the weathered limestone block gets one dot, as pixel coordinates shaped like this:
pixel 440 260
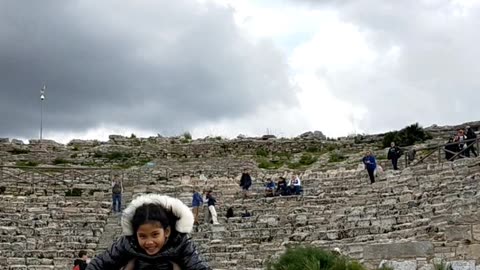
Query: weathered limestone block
pixel 400 265
pixel 8 230
pixel 476 232
pixel 399 250
pixel 458 232
pixel 463 265
pixel 16 261
pixel 17 267
pixel 471 252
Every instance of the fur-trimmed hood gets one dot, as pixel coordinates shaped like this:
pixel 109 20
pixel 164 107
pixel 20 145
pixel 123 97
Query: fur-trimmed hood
pixel 177 207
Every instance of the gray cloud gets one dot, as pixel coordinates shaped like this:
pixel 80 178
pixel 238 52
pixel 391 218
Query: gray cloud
pixel 434 79
pixel 150 65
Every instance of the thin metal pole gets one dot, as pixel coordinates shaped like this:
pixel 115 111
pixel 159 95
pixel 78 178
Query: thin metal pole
pixel 42 98
pixel 41 119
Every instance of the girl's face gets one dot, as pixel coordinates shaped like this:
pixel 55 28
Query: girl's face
pixel 152 237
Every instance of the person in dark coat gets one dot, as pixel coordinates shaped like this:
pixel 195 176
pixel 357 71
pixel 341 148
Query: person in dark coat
pixel 394 153
pixel 470 148
pixel 245 182
pixel 155 237
pixel 450 147
pixel 370 165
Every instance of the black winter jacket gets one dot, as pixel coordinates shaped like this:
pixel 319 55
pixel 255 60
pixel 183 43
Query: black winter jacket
pixel 245 180
pixel 394 153
pixel 179 249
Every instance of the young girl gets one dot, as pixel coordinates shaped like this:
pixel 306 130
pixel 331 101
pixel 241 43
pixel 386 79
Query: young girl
pixel 155 237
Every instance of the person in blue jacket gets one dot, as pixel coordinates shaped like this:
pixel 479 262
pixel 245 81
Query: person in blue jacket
pixel 197 202
pixel 370 165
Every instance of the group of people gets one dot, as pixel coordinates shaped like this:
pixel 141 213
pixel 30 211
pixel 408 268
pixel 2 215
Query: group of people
pixel 283 187
pixel 370 162
pixel 197 202
pixel 461 144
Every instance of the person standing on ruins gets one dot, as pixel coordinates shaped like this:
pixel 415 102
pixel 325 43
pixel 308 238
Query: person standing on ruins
pixel 117 190
pixel 197 202
pixel 460 139
pixel 470 136
pixel 370 165
pixel 245 182
pixel 211 207
pixel 394 153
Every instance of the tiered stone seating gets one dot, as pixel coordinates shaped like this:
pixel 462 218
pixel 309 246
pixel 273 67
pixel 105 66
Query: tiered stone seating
pixel 45 232
pixel 424 212
pixel 425 205
pixel 43 228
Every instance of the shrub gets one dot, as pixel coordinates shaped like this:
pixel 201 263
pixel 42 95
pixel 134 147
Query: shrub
pixel 285 155
pixel 118 155
pixel 261 152
pixel 58 161
pixel 265 163
pixel 307 159
pixel 406 136
pixel 311 258
pixel 313 149
pixel 187 135
pixel 442 265
pixel 331 147
pixel 294 165
pixel 336 157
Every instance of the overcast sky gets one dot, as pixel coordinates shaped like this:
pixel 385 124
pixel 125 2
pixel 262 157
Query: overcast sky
pixel 229 67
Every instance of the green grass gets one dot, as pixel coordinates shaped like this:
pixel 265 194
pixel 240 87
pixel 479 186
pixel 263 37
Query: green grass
pixel 27 163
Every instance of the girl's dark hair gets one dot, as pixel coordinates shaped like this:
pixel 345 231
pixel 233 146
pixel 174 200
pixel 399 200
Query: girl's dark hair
pixel 153 213
pixel 82 253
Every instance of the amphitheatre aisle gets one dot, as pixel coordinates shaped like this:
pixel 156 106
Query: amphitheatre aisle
pixel 411 218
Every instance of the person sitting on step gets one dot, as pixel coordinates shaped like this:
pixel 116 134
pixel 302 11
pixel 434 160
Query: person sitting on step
pixel 270 188
pixel 282 188
pixel 295 185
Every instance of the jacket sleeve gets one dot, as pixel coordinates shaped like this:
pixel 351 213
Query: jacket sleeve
pixel 189 257
pixel 113 258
